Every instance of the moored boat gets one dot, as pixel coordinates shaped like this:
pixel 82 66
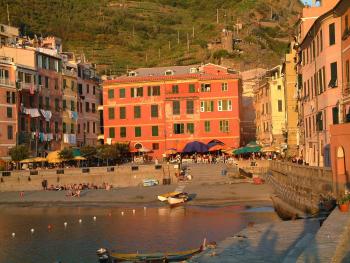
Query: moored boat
pixel 106 257
pixel 164 197
pixel 178 199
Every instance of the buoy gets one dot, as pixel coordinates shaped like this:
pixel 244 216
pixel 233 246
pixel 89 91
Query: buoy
pixel 122 213
pixel 65 224
pixel 80 221
pixel 94 218
pixel 13 234
pixel 133 211
pixel 32 230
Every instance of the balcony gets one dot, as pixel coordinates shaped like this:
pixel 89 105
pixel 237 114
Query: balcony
pixel 70 73
pixel 346 91
pixel 7 82
pixel 6 60
pixel 28 86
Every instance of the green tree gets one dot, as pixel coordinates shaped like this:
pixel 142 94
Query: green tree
pixel 19 153
pixel 88 151
pixel 66 154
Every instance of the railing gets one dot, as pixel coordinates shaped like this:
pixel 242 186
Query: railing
pixel 71 73
pixel 7 82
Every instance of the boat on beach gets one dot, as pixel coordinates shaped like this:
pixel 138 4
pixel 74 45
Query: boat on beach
pixel 105 257
pixel 178 199
pixel 164 197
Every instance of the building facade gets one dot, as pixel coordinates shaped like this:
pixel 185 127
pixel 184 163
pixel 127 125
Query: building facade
pixel 269 100
pixel 164 108
pixel 320 83
pixel 291 100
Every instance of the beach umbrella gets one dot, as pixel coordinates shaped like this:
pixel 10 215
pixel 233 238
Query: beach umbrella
pixel 79 158
pixel 53 157
pixel 195 146
pixel 39 159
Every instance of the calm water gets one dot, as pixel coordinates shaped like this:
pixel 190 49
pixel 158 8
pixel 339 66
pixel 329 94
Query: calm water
pixel 150 230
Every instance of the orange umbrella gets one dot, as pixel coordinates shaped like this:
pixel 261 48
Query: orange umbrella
pixel 171 151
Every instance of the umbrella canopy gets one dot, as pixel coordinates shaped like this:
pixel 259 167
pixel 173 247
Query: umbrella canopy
pixel 79 158
pixel 195 146
pixel 39 159
pixel 53 157
pixel 171 151
pixel 217 147
pixel 214 142
pixel 29 160
pixel 251 147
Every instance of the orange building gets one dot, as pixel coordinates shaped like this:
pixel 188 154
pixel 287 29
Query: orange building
pixel 167 107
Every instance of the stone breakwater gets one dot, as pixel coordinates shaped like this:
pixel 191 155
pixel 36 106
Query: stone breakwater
pixel 117 176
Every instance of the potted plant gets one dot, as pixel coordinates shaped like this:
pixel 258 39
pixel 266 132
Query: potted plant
pixel 343 203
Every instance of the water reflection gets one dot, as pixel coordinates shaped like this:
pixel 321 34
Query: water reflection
pixel 145 230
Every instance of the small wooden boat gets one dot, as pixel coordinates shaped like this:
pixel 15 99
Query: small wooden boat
pixel 178 199
pixel 164 197
pixel 106 257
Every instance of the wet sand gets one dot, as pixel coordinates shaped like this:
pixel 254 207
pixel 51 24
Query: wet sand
pixel 202 194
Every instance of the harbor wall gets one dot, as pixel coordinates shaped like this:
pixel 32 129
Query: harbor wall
pixel 117 176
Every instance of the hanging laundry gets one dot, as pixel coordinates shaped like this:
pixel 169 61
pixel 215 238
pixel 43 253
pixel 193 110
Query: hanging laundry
pixel 49 136
pixel 34 113
pixel 75 115
pixel 66 138
pixel 41 136
pixel 46 114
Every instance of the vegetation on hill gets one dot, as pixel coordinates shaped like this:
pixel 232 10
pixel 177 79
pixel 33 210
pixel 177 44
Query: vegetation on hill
pixel 120 35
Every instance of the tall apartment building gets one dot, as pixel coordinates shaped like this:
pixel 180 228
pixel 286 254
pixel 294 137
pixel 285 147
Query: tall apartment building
pixel 320 80
pixel 291 100
pixel 269 102
pixel 167 107
pixel 89 98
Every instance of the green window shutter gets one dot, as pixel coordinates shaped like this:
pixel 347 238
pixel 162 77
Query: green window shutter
pixel 137 112
pixel 111 93
pixel 154 130
pixel 335 113
pixel 137 131
pixel 190 128
pixel 149 91
pixel 111 112
pixel 154 111
pixel 111 132
pixel 132 93
pixel 189 107
pixel 211 105
pixel 122 113
pixel 122 132
pixel 64 104
pixel 191 88
pixel 122 93
pixel 182 128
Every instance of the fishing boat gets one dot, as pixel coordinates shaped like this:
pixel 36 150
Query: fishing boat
pixel 105 257
pixel 164 197
pixel 178 199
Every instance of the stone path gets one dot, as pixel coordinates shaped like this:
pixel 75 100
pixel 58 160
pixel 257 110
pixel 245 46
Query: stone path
pixel 264 243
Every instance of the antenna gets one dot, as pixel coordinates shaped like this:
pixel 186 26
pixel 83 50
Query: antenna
pixel 8 15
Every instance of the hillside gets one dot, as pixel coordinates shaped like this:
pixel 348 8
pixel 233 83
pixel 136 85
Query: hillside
pixel 121 35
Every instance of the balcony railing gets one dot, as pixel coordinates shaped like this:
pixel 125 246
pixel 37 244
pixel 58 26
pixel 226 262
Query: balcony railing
pixel 6 60
pixel 7 82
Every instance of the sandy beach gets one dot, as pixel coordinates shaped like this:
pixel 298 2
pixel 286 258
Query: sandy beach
pixel 203 194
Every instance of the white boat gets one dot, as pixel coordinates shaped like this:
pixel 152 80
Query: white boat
pixel 179 199
pixel 164 197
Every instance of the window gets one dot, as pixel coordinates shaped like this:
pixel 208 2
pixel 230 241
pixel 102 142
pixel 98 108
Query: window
pixel 137 131
pixel 47 103
pixel 122 113
pixel 46 82
pixel 56 83
pixel 153 91
pixel 72 105
pixel 72 85
pixel 347 72
pixel 224 126
pixel 9 132
pixel 9 112
pixel 48 128
pixel 94 127
pixel 88 127
pixel 137 112
pixel 88 89
pixel 224 105
pixel 335 115
pixel 121 93
pixel 205 87
pixel 64 83
pixel 64 127
pixel 137 92
pixel 111 112
pixel 190 107
pixel 279 87
pixel 87 106
pixel 111 94
pixel 207 106
pixel 279 105
pixel 93 107
pixel 8 96
pixel 72 128
pixel 175 89
pixel 111 132
pixel 224 87
pixel 155 146
pixel 207 126
pixel 334 76
pixel 154 111
pixel 56 127
pixel 64 104
pixel 80 88
pixel 79 128
pixel 319 121
pixel 57 105
pixel 154 130
pixel 190 128
pixel 93 90
pixel 321 41
pixel 122 132
pixel 179 128
pixel 331 34
pixel 191 88
pixel 40 61
pixel 176 107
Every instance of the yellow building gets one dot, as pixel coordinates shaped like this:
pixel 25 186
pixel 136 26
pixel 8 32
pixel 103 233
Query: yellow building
pixel 69 104
pixel 291 99
pixel 270 109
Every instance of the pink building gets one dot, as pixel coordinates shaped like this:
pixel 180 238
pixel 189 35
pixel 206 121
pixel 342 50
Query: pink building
pixel 320 80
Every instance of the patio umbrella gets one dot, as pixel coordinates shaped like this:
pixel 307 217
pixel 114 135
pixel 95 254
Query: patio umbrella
pixel 53 157
pixel 79 158
pixel 171 151
pixel 217 147
pixel 214 142
pixel 195 146
pixel 39 159
pixel 28 160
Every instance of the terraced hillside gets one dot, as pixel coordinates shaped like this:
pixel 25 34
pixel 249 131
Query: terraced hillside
pixel 121 35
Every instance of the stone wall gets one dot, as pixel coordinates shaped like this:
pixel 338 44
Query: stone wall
pixel 299 185
pixel 118 176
